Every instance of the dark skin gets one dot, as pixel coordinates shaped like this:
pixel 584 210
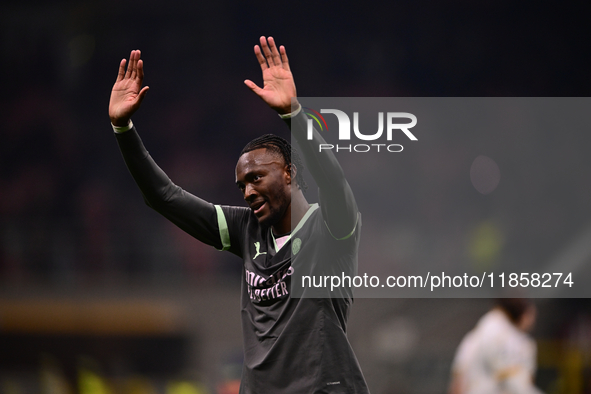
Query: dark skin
pixel 277 91
pixel 265 181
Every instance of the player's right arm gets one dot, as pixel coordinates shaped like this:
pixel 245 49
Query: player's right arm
pixel 195 216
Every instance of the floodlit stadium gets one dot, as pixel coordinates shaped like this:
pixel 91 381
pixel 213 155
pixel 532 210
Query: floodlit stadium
pixel 489 199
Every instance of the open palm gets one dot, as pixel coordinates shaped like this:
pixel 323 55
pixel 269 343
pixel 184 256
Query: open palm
pixel 127 93
pixel 278 84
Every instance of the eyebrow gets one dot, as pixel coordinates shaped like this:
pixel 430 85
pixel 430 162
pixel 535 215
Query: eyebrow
pixel 247 175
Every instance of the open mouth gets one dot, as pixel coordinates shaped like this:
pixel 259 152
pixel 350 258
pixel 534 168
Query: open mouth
pixel 256 208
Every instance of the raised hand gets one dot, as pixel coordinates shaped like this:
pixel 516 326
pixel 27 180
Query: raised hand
pixel 127 93
pixel 278 84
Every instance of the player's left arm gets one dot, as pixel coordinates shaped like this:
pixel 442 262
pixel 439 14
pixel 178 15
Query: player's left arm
pixel 519 381
pixel 337 201
pixel 515 367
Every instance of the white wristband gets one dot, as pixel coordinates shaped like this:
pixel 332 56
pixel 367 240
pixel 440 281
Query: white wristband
pixel 291 114
pixel 122 129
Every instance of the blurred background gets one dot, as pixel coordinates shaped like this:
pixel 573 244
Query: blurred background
pixel 98 294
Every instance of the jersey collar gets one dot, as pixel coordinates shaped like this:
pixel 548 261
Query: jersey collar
pixel 303 220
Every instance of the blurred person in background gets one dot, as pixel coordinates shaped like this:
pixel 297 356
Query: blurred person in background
pixel 291 344
pixel 498 356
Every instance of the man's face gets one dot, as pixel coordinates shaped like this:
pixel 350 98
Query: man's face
pixel 265 181
pixel 528 319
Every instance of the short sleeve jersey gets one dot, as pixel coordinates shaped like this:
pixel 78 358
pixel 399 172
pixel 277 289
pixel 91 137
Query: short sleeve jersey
pixel 496 357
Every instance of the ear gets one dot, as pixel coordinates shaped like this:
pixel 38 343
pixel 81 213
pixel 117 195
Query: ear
pixel 291 171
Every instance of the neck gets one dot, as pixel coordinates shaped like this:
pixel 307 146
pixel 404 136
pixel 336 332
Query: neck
pixel 293 214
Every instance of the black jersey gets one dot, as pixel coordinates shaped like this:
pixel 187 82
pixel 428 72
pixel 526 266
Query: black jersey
pixel 291 345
